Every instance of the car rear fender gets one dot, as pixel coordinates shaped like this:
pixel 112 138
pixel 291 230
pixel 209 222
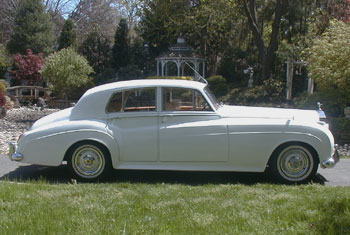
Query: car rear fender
pixel 49 146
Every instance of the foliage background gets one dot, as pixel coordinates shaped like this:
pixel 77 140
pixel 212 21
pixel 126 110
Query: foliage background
pixel 328 59
pixel 120 40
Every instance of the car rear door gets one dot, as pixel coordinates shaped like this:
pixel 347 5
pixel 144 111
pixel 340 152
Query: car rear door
pixel 133 121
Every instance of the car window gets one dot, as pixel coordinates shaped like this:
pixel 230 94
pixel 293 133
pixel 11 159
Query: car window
pixel 184 99
pixel 134 100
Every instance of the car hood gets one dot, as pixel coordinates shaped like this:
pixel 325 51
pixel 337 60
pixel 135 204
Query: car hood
pixel 271 113
pixel 54 117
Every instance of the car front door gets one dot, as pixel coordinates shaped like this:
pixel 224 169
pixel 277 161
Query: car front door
pixel 189 130
pixel 133 121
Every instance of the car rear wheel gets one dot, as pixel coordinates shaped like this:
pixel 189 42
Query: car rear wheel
pixel 294 164
pixel 89 161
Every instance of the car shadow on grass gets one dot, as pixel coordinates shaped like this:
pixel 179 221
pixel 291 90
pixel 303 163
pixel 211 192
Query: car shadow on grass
pixel 62 174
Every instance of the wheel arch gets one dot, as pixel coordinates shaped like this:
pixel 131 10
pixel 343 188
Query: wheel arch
pixel 70 150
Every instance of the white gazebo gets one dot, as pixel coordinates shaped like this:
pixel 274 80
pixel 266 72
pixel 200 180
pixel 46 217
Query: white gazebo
pixel 183 57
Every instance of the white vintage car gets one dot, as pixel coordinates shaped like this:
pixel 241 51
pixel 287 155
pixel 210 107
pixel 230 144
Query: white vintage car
pixel 176 125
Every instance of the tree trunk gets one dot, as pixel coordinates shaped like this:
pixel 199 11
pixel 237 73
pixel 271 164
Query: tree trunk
pixel 266 55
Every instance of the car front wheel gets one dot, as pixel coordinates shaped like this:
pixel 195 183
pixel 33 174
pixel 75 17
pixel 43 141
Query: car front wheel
pixel 294 164
pixel 89 161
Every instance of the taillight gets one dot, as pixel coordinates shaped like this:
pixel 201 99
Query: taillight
pixel 19 137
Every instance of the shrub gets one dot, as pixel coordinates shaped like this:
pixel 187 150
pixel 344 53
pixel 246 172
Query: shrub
pixel 5 100
pixel 218 85
pixel 76 92
pixel 4 60
pixel 340 128
pixel 329 101
pixel 66 70
pixel 2 87
pixel 273 88
pixel 270 92
pixel 244 96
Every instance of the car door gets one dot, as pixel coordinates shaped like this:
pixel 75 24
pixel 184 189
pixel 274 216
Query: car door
pixel 189 130
pixel 133 121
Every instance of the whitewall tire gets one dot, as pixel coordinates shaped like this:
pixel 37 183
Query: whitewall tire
pixel 294 163
pixel 89 161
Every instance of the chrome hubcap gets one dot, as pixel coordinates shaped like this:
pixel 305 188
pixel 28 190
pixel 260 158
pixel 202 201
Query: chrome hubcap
pixel 88 161
pixel 295 163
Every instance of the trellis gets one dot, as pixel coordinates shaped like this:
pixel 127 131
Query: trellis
pixel 289 78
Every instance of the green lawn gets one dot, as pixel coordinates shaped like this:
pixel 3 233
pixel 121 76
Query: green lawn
pixel 38 207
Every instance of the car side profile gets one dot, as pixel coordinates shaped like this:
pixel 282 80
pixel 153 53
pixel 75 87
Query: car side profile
pixel 176 125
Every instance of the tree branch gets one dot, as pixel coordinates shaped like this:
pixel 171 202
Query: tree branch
pixel 251 15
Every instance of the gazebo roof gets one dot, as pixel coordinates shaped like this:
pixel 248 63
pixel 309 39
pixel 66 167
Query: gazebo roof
pixel 180 50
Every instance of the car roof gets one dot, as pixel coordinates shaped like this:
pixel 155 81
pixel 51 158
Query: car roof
pixel 92 104
pixel 147 83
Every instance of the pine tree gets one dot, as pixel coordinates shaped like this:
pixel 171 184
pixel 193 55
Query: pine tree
pixel 33 29
pixel 121 46
pixel 68 37
pixel 96 49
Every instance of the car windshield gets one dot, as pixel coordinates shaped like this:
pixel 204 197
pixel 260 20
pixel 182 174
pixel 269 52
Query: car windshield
pixel 212 98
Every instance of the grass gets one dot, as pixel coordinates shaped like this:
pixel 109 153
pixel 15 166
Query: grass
pixel 38 207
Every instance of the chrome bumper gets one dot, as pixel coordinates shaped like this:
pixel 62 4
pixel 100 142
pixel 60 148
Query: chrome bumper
pixel 13 155
pixel 332 161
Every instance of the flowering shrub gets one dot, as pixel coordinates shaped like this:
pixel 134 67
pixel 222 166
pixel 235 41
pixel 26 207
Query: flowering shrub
pixel 28 67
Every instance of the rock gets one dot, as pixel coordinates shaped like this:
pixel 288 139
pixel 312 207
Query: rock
pixel 9 103
pixel 17 121
pixel 41 103
pixel 15 101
